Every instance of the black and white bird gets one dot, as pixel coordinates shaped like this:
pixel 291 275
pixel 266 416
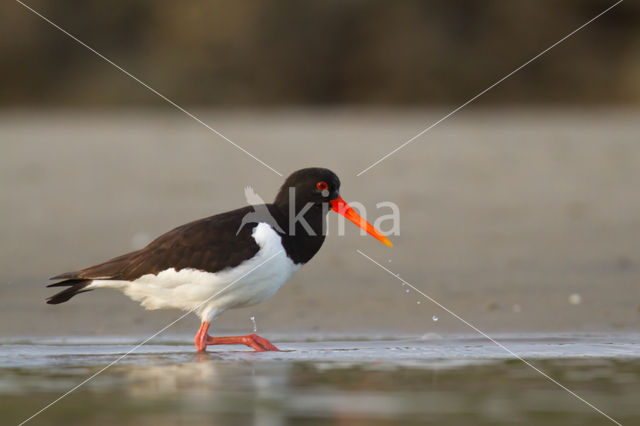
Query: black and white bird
pixel 220 262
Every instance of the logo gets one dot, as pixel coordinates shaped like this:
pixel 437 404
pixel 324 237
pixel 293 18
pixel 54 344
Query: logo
pixel 262 214
pixel 260 211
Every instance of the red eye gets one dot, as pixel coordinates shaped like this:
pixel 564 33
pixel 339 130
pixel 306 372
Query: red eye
pixel 322 185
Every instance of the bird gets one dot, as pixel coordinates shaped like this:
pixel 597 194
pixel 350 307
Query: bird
pixel 214 264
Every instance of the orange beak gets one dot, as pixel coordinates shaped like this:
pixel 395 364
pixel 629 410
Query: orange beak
pixel 341 207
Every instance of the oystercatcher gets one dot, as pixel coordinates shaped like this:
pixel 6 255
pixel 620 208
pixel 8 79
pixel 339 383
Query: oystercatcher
pixel 230 260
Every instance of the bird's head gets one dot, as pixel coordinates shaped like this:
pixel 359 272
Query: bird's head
pixel 314 185
pixel 321 188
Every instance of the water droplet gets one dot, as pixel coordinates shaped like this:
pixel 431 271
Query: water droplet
pixel 418 302
pixel 406 291
pixel 575 299
pixel 255 326
pixel 389 260
pixel 434 318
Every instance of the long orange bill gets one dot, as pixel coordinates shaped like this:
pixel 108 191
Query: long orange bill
pixel 341 207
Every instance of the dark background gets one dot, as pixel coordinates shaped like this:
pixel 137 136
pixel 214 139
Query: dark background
pixel 329 52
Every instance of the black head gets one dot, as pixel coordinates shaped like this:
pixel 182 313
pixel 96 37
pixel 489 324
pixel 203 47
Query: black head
pixel 313 185
pixel 316 191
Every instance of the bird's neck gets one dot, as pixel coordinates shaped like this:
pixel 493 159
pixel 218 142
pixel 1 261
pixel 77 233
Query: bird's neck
pixel 303 227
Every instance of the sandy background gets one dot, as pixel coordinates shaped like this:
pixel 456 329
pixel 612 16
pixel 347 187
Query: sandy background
pixel 504 215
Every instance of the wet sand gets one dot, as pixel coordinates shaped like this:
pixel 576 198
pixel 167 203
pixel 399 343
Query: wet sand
pixel 504 215
pixel 524 223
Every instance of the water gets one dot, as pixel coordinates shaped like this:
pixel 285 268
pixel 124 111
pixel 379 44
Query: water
pixel 444 380
pixel 575 299
pixel 514 265
pixel 255 325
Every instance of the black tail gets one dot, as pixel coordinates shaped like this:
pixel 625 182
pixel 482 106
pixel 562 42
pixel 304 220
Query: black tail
pixel 76 286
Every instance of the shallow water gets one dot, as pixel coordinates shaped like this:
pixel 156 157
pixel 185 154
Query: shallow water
pixel 433 379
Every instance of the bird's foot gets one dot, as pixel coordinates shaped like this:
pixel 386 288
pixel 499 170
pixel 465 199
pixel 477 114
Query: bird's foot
pixel 259 344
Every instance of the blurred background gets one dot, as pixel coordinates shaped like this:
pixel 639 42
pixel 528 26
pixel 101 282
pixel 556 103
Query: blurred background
pixel 253 53
pixel 520 212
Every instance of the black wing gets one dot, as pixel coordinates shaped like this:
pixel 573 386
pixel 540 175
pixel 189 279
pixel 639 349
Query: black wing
pixel 208 244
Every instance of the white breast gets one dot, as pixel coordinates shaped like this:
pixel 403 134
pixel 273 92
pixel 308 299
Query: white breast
pixel 210 294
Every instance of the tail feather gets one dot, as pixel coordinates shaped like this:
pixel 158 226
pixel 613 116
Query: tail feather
pixel 65 276
pixel 78 280
pixel 66 282
pixel 75 286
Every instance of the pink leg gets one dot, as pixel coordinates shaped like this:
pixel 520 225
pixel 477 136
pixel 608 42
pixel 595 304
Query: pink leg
pixel 260 344
pixel 201 337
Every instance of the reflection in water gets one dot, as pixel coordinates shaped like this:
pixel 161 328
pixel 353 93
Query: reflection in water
pixel 277 393
pixel 216 387
pixel 364 382
pixel 200 377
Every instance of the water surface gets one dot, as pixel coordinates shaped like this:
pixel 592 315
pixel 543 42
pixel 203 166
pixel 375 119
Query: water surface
pixel 431 380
